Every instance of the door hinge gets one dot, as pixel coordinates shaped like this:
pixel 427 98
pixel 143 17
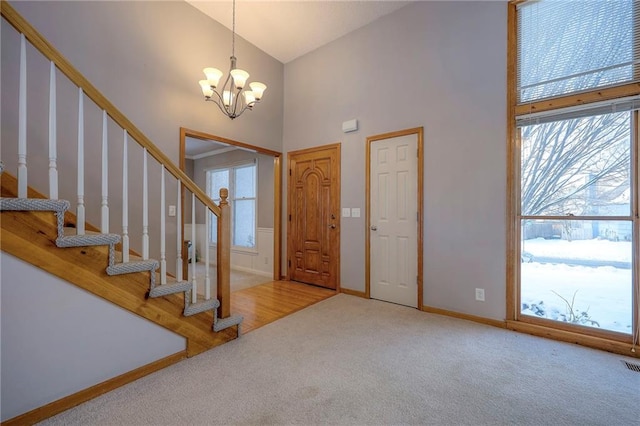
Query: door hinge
pixel 289 172
pixel 417 216
pixel 289 263
pixel 289 218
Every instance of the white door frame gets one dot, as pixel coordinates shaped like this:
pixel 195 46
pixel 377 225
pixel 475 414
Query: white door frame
pixel 418 131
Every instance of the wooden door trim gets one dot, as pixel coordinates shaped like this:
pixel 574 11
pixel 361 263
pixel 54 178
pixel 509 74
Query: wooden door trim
pixel 419 132
pixel 277 182
pixel 335 168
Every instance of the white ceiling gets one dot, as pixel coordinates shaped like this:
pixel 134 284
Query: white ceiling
pixel 195 146
pixel 289 29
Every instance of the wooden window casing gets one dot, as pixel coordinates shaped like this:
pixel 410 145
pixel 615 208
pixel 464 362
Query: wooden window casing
pixel 600 339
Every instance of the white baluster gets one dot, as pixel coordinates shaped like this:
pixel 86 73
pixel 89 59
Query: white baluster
pixel 145 207
pixel 104 204
pixel 163 259
pixel 179 234
pixel 194 284
pixel 53 155
pixel 207 280
pixel 22 121
pixel 80 207
pixel 125 200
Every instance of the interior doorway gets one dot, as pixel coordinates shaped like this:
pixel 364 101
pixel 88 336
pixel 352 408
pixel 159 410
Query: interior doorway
pixel 394 217
pixel 313 244
pixel 216 146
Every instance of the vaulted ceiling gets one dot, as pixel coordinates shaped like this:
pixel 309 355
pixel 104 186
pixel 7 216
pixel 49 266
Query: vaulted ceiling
pixel 289 29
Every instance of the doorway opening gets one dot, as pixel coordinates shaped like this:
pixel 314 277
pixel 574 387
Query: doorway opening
pixel 253 175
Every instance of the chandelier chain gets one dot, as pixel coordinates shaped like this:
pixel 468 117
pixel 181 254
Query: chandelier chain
pixel 233 31
pixel 231 96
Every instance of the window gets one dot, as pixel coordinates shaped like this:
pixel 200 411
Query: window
pixel 574 199
pixel 576 224
pixel 571 46
pixel 241 182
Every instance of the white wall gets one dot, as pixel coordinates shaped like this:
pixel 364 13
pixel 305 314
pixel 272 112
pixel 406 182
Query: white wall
pixel 440 65
pixel 259 262
pixel 58 339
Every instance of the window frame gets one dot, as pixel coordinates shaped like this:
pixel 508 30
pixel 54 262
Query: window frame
pixel 600 339
pixel 230 168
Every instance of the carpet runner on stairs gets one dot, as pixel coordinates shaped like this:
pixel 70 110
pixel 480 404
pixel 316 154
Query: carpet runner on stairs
pixel 66 237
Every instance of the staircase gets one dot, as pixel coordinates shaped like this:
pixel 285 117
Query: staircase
pixel 67 237
pixel 43 231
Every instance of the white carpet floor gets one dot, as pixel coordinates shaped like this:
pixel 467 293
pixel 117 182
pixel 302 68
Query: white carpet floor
pixel 352 361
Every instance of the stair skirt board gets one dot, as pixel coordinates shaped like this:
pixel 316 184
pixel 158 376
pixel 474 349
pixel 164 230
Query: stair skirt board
pixel 65 238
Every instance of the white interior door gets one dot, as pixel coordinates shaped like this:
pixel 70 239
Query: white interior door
pixel 394 220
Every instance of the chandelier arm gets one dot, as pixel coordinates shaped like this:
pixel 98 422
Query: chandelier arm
pixel 224 86
pixel 220 105
pixel 241 111
pixel 239 101
pixel 215 92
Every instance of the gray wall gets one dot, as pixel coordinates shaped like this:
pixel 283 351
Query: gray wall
pixel 440 65
pixel 48 322
pixel 146 58
pixel 265 179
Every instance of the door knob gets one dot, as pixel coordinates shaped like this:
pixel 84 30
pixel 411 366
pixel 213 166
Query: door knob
pixel 374 228
pixel 332 226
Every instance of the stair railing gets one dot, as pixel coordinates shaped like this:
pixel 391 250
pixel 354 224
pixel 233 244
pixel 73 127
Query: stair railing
pixel 199 198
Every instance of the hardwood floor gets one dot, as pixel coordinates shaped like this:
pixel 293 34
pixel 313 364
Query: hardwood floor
pixel 266 303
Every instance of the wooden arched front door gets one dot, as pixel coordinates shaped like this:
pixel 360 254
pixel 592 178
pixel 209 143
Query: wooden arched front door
pixel 314 216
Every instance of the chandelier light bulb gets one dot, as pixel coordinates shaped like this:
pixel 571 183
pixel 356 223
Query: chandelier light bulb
pixel 227 98
pixel 213 76
pixel 258 89
pixel 249 98
pixel 240 78
pixel 207 91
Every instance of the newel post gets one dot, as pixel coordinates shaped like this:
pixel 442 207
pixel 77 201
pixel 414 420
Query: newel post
pixel 224 255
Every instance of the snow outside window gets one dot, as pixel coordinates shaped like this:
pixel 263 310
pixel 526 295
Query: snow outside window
pixel 576 181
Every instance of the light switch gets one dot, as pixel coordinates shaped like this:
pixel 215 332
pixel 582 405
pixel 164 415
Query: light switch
pixel 346 212
pixel 355 212
pixel 172 211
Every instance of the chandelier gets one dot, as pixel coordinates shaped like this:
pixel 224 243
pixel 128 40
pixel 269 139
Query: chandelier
pixel 232 97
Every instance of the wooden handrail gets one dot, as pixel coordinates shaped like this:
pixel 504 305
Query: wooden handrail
pixel 40 43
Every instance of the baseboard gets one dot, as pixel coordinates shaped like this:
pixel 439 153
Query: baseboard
pixel 252 271
pixel 63 404
pixel 468 317
pixel 353 292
